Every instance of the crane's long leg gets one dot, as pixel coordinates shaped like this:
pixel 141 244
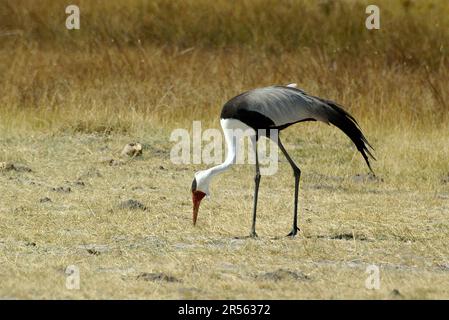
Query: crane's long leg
pixel 256 190
pixel 297 174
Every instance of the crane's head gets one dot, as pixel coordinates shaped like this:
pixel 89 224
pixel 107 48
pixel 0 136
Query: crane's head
pixel 200 189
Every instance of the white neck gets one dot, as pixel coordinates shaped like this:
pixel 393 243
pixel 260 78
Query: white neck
pixel 231 147
pixel 229 161
pixel 228 126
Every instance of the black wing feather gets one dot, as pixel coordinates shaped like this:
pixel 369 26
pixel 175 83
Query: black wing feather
pixel 346 123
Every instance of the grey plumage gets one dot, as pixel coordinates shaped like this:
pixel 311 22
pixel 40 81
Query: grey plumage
pixel 285 105
pixel 281 106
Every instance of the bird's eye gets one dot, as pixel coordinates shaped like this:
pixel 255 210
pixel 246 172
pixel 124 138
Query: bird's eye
pixel 193 185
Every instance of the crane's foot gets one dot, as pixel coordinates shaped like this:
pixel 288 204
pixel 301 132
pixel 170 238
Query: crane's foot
pixel 253 235
pixel 293 233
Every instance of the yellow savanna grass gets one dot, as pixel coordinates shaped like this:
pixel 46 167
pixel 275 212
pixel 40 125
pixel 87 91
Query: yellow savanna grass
pixel 174 61
pixel 137 69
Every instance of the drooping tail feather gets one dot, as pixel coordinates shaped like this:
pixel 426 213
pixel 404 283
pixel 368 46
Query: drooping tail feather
pixel 345 122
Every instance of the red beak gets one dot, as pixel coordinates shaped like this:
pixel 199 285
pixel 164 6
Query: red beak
pixel 197 196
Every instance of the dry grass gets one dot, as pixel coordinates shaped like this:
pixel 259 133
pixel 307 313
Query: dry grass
pixel 134 60
pixel 399 224
pixel 133 73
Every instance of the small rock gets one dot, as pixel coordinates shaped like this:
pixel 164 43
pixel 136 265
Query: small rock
pixel 133 205
pixel 132 150
pixel 156 276
pixel 45 199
